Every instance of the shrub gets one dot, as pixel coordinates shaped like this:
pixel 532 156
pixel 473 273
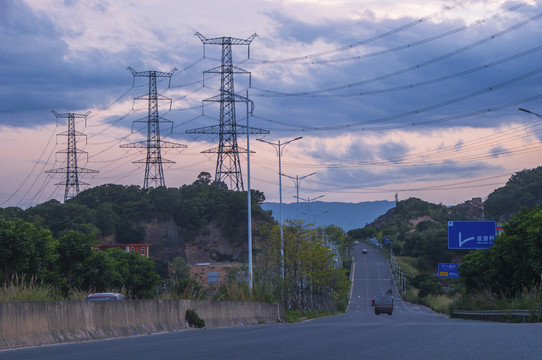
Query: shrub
pixel 193 319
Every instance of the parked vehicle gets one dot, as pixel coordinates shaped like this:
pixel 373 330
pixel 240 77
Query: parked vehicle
pixel 105 297
pixel 383 304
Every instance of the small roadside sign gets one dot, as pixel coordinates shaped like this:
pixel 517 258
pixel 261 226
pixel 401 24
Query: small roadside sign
pixel 448 270
pixel 387 240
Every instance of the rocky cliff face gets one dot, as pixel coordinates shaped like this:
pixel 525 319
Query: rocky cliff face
pixel 210 245
pixel 470 209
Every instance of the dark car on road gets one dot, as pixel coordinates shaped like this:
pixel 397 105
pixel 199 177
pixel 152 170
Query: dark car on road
pixel 383 304
pixel 105 297
pixel 364 251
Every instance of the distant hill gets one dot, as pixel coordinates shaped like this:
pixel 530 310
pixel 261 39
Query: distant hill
pixel 348 216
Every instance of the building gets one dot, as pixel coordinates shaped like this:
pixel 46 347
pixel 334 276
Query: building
pixel 142 249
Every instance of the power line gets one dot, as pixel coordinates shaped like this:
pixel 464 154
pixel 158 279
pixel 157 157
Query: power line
pixel 411 68
pixel 320 93
pixel 363 42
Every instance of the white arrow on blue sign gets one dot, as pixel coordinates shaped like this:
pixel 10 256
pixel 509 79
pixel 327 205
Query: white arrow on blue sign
pixel 471 234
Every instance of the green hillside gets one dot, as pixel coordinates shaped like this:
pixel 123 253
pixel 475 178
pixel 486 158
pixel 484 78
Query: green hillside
pixel 418 231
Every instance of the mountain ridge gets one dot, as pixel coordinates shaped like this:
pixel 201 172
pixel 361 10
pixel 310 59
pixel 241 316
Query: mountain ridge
pixel 345 215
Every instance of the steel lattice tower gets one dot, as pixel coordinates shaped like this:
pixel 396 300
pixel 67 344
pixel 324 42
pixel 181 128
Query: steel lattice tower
pixel 154 173
pixel 228 166
pixel 71 170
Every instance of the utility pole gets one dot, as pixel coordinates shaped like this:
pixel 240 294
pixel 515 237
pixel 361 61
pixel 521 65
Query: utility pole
pixel 297 181
pixel 279 148
pixel 72 170
pixel 228 166
pixel 154 172
pixel 249 202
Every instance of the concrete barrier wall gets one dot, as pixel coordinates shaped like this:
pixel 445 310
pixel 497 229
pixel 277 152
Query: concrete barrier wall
pixel 34 323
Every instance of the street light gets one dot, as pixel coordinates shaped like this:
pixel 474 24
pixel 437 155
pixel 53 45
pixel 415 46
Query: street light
pixel 308 200
pixel 249 220
pixel 297 181
pixel 279 148
pixel 530 112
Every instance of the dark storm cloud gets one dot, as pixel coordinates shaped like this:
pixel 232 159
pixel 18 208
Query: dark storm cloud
pixel 445 103
pixel 36 76
pixel 398 176
pixel 40 72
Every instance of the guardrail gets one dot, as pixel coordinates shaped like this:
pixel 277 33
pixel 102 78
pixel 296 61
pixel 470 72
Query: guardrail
pixel 499 315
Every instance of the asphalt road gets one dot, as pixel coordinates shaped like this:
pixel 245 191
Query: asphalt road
pixel 412 332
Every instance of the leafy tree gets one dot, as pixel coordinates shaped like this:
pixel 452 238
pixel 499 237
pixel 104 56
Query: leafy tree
pixel 73 249
pixel 204 178
pixel 513 262
pixel 25 249
pixel 60 218
pixel 179 269
pixel 136 271
pixel 523 189
pixel 310 278
pixel 99 273
pixel 106 218
pixel 116 269
pixel 129 233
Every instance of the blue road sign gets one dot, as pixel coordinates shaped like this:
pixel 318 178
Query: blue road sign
pixel 471 234
pixel 387 240
pixel 448 270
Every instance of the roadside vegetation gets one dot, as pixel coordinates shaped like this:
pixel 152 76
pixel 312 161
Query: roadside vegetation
pixel 46 251
pixel 508 276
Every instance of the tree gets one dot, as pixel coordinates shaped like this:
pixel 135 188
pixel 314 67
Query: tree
pixel 524 188
pixel 117 270
pixel 73 249
pixel 179 269
pixel 513 262
pixel 137 273
pixel 204 178
pixel 310 278
pixel 25 249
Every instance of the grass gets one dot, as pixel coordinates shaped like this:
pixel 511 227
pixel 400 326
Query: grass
pixel 439 303
pixel 21 289
pixel 295 316
pixel 528 299
pixel 408 266
pixel 18 289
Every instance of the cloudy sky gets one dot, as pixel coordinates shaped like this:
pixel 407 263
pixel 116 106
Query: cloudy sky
pixel 418 98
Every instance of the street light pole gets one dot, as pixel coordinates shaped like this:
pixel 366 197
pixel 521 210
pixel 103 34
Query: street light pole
pixel 279 148
pixel 297 181
pixel 250 278
pixel 308 200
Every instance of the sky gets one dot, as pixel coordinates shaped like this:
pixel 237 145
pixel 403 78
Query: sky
pixel 407 98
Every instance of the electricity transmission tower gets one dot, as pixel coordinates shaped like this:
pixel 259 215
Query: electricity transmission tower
pixel 228 166
pixel 71 170
pixel 154 172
